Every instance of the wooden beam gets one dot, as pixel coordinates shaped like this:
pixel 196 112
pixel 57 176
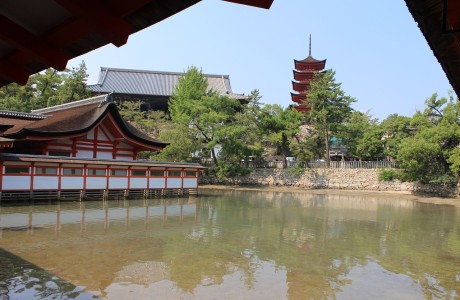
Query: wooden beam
pixel 257 3
pixel 453 14
pixel 32 45
pixel 101 19
pixel 13 72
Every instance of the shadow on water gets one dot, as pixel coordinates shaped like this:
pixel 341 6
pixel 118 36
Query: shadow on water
pixel 20 279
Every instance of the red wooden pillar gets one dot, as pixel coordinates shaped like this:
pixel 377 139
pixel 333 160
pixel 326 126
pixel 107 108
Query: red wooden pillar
pixel 96 136
pixel 59 174
pixel 32 174
pixel 129 177
pixel 85 174
pixel 1 175
pixel 74 147
pixel 107 175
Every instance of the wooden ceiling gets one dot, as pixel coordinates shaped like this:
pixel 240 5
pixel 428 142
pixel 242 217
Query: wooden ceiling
pixel 439 21
pixel 36 35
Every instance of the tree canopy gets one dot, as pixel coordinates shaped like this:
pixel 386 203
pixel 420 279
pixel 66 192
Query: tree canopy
pixel 330 106
pixel 45 89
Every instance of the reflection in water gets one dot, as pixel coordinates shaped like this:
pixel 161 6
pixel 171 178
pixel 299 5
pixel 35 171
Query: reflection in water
pixel 234 245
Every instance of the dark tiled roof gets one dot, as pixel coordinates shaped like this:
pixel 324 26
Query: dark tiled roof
pixel 155 83
pixel 310 59
pixel 20 115
pixel 70 119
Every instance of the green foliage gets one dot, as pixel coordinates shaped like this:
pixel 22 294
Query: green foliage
pixel 151 122
pixel 280 127
pixel 395 128
pixel 44 89
pixel 216 121
pixel 454 160
pixel 431 154
pixel 363 137
pixel 330 107
pixel 297 170
pixel 388 174
pixel 228 169
pixel 182 144
pixel 370 146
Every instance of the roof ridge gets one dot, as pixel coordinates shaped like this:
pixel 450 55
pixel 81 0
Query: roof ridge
pixel 21 115
pixel 107 69
pixel 72 104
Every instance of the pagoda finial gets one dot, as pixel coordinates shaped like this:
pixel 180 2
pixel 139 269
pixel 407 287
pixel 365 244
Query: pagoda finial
pixel 309 47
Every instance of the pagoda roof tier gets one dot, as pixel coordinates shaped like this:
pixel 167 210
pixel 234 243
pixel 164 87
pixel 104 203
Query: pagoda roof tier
pixel 310 64
pixel 303 77
pixel 298 98
pixel 300 87
pixel 303 109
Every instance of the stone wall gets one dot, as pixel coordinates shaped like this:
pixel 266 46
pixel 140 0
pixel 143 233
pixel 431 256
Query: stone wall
pixel 333 178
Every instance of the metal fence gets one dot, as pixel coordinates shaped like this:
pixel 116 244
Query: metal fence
pixel 261 164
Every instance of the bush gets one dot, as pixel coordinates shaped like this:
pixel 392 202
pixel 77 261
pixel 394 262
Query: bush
pixel 227 169
pixel 388 175
pixel 297 170
pixel 446 180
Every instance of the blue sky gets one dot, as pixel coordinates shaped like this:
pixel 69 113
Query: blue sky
pixel 378 52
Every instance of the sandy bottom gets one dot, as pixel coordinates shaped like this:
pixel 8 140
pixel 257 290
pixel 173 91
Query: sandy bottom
pixel 408 195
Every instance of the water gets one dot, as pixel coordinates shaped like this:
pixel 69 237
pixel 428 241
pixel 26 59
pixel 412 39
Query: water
pixel 229 244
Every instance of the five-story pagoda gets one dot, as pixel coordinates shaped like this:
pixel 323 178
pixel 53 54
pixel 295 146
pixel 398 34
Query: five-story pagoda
pixel 303 74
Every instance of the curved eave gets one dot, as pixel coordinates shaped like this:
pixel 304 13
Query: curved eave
pixel 298 98
pixel 313 64
pixel 303 77
pixel 300 87
pixel 302 109
pixel 30 134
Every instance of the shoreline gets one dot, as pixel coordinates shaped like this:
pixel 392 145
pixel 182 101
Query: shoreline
pixel 428 199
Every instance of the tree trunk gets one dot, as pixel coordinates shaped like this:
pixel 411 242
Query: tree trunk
pixel 328 159
pixel 284 149
pixel 214 157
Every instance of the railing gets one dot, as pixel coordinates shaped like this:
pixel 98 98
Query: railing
pixel 261 164
pixel 355 164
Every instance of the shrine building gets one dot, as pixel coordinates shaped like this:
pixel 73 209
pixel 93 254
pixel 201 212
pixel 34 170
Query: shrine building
pixel 84 147
pixel 152 89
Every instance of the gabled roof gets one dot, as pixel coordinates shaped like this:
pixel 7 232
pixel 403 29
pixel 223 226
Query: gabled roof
pixel 153 83
pixel 72 119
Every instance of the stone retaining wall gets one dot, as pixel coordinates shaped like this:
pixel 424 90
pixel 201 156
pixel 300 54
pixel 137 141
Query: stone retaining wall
pixel 333 178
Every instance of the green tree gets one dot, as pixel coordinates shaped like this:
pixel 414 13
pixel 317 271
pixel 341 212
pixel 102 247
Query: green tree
pixel 17 98
pixel 249 119
pixel 211 118
pixel 45 89
pixel 395 128
pixel 74 86
pixel 280 126
pixel 330 107
pixel 431 154
pixel 182 144
pixel 362 136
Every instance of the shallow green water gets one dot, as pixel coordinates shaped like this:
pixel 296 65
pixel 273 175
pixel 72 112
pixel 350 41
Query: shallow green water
pixel 232 245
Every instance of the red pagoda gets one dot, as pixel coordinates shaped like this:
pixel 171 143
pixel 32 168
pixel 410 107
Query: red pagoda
pixel 303 74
